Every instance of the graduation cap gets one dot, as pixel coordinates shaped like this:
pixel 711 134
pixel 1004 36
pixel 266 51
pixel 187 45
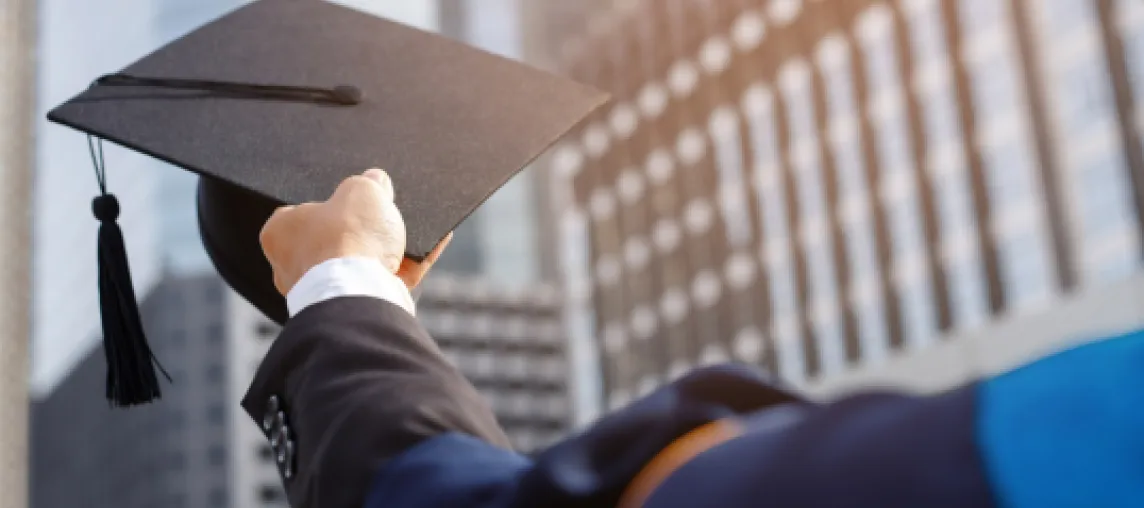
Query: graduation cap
pixel 280 100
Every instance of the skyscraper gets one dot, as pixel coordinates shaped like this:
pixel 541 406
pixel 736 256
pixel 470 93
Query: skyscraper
pixel 821 186
pixel 192 448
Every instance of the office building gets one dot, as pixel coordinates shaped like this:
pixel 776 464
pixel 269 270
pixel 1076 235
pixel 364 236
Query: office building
pixel 825 187
pixel 510 343
pixel 194 447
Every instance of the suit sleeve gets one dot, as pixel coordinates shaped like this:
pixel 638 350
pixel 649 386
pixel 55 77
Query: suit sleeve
pixel 350 383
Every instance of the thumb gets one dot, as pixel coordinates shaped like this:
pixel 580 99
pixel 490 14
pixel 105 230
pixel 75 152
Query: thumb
pixel 381 178
pixel 411 272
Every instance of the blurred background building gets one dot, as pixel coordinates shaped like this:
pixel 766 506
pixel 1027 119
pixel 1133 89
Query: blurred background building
pixel 510 343
pixel 187 450
pixel 843 192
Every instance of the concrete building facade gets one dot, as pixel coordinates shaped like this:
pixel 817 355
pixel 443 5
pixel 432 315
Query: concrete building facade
pixel 510 343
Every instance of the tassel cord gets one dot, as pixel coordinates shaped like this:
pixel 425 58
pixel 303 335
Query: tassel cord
pixel 131 363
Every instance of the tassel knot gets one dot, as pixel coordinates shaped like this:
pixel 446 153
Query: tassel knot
pixel 106 208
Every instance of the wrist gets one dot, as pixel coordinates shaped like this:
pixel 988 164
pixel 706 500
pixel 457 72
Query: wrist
pixel 348 276
pixel 309 262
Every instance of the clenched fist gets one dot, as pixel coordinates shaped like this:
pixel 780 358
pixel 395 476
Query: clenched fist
pixel 359 220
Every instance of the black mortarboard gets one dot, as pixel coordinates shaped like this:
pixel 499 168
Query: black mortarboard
pixel 278 102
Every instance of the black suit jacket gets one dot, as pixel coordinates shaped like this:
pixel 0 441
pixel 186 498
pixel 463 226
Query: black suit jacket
pixel 350 383
pixel 355 384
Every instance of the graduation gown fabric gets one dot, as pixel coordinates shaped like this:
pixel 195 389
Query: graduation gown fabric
pixel 378 419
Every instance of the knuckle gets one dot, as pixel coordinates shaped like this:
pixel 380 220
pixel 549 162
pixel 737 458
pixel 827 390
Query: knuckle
pixel 270 231
pixel 353 183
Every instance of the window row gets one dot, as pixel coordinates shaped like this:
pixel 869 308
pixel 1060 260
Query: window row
pixel 510 366
pixel 484 325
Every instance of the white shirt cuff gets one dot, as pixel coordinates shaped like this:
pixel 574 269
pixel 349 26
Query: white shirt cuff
pixel 351 276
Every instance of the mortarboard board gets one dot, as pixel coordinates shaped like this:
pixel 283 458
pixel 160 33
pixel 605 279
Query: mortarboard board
pixel 280 100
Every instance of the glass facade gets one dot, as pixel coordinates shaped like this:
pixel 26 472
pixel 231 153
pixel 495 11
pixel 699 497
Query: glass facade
pixel 810 200
pixel 1006 147
pixel 932 85
pixel 824 184
pixel 1098 189
pixel 898 175
pixel 854 195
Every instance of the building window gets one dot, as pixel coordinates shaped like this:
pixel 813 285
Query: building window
pixel 810 197
pixel 265 330
pixel 178 338
pixel 775 247
pixel 177 461
pixel 214 373
pixel 946 163
pixel 215 333
pixel 213 293
pixel 216 414
pixel 749 346
pixel 218 498
pixel 1015 198
pixel 980 17
pixel 897 174
pixel 855 211
pixel 1095 174
pixel 265 453
pixel 724 127
pixel 270 494
pixel 216 456
pixel 1131 16
pixel 174 419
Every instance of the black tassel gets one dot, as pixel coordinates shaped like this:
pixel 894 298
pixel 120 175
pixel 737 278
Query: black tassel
pixel 131 378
